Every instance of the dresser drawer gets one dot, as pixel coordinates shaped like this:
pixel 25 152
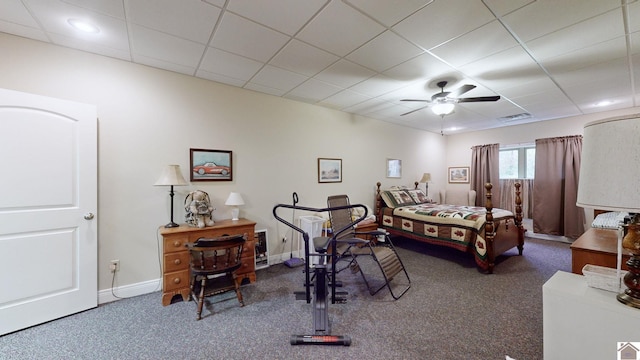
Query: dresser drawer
pixel 176 280
pixel 248 265
pixel 176 261
pixel 175 243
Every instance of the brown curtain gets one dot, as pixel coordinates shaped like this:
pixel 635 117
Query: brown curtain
pixel 485 168
pixel 508 196
pixel 556 187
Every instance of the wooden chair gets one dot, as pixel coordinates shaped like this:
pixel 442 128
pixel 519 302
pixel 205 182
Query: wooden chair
pixel 213 262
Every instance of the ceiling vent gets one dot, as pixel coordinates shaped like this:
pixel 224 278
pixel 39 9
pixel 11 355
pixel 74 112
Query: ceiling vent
pixel 515 117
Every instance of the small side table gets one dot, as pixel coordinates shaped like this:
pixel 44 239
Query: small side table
pixel 596 247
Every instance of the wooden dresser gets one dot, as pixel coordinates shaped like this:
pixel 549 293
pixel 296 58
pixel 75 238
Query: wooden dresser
pixel 175 257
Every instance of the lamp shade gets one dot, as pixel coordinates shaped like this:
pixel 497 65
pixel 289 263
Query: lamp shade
pixel 442 108
pixel 610 165
pixel 234 199
pixel 171 176
pixel 426 177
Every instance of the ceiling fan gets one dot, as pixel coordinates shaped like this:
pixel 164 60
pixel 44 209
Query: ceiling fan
pixel 443 102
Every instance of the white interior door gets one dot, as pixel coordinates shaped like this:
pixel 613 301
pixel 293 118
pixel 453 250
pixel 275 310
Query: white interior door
pixel 48 198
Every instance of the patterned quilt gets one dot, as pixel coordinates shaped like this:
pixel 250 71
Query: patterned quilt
pixel 459 227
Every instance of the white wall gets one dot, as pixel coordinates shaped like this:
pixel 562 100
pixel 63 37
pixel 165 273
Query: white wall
pixel 149 118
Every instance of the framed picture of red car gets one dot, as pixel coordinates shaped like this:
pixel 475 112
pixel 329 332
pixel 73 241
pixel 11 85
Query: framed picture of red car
pixel 211 165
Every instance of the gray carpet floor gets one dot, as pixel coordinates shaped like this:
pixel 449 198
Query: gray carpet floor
pixel 452 311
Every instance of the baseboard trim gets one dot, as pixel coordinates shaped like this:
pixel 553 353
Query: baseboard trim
pixel 127 291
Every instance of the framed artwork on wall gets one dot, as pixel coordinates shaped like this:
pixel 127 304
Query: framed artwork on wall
pixel 211 165
pixel 329 170
pixel 459 175
pixel 394 168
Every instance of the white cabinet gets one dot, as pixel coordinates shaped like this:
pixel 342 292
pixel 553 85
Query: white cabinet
pixel 580 322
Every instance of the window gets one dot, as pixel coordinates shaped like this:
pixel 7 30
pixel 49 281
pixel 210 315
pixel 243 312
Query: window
pixel 518 162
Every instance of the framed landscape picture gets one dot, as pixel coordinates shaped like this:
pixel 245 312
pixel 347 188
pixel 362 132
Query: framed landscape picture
pixel 329 170
pixel 211 165
pixel 459 175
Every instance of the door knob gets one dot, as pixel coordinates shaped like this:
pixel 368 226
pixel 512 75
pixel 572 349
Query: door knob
pixel 88 216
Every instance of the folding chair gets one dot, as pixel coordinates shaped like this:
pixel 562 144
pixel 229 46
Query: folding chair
pixel 383 253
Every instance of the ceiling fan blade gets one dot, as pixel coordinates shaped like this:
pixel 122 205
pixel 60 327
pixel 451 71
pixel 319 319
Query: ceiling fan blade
pixel 479 99
pixel 461 90
pixel 420 100
pixel 412 111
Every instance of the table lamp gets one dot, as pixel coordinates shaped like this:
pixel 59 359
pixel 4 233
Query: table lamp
pixel 426 177
pixel 171 176
pixel 234 200
pixel 610 180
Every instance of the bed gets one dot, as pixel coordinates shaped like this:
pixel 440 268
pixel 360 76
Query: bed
pixel 484 232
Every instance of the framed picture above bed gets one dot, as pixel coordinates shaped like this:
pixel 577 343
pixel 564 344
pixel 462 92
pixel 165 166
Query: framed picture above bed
pixel 329 170
pixel 459 175
pixel 394 168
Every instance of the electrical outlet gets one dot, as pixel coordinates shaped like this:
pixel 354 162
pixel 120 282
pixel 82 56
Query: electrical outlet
pixel 114 265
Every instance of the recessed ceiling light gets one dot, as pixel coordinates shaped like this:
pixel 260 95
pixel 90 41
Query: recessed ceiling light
pixel 604 103
pixel 83 26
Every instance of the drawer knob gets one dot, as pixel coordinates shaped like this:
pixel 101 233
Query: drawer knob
pixel 176 281
pixel 177 262
pixel 176 243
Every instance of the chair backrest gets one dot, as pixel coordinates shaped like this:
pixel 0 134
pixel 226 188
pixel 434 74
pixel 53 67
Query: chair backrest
pixel 458 197
pixel 217 255
pixel 342 217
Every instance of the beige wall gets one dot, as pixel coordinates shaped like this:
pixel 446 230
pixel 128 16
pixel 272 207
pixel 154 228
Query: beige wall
pixel 149 118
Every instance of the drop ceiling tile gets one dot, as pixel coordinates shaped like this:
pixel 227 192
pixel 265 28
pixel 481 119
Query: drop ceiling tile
pixel 545 16
pixel 344 99
pixel 188 19
pixel 13 11
pixel 634 16
pixel 105 7
pixel 487 40
pixel 277 78
pixel 173 50
pixel 265 89
pixel 120 52
pixel 581 35
pixel 302 58
pixel 345 73
pixel 226 64
pixel 220 78
pixel 24 31
pixel 586 57
pixel 424 66
pixel 385 51
pixel 378 85
pixel 504 68
pixel 246 38
pixel 503 7
pixel 442 21
pixel 53 16
pixel 388 12
pixel 218 3
pixel 339 29
pixel 312 91
pixel 165 65
pixel 287 16
pixel 368 106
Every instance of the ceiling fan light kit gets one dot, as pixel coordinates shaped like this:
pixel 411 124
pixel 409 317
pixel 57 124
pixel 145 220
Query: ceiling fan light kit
pixel 442 108
pixel 443 103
